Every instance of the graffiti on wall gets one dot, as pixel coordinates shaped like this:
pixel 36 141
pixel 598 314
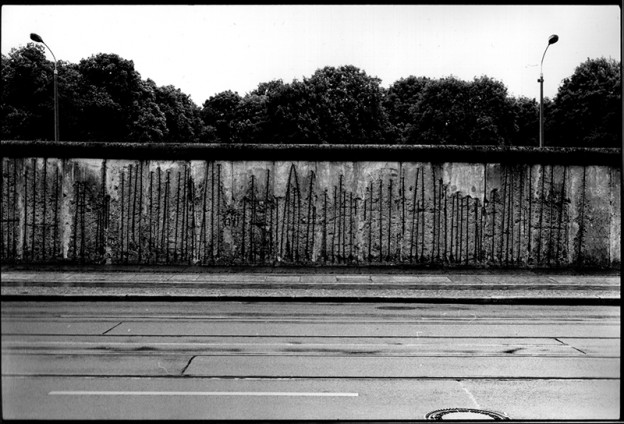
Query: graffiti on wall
pixel 141 212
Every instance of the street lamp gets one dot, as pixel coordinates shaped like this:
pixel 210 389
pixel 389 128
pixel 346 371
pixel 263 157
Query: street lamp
pixel 551 40
pixel 38 39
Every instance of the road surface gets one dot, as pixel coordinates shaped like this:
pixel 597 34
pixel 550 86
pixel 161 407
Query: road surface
pixel 296 360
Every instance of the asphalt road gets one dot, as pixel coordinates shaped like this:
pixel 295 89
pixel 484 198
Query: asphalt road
pixel 278 360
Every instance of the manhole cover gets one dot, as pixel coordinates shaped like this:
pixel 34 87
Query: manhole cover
pixel 465 414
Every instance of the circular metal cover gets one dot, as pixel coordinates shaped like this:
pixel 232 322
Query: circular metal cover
pixel 465 414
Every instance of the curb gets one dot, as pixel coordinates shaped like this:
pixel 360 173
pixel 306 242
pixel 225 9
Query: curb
pixel 589 301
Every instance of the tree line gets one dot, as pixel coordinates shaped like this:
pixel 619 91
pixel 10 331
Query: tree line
pixel 103 98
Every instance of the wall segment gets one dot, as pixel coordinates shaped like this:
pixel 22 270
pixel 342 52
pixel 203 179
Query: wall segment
pixel 417 206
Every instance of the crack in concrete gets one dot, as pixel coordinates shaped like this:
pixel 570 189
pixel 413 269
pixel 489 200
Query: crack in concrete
pixel 113 327
pixel 188 364
pixel 575 348
pixel 472 398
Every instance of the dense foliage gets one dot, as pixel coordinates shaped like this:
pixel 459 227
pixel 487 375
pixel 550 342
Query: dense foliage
pixel 588 108
pixel 103 98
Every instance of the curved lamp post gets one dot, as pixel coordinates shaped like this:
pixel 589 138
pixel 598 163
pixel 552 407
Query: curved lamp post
pixel 38 39
pixel 551 40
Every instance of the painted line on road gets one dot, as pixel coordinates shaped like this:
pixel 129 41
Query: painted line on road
pixel 130 393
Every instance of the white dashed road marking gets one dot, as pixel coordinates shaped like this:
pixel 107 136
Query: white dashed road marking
pixel 126 393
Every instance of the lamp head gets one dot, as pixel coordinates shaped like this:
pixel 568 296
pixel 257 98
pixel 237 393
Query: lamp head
pixel 553 39
pixel 36 38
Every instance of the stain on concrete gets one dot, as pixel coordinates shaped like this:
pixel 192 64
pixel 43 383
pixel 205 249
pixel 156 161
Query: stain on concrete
pixel 202 212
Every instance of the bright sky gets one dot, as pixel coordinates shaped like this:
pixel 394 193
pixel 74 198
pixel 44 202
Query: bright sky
pixel 206 49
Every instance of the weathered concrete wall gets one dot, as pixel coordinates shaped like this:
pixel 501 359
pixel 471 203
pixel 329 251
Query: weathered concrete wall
pixel 310 212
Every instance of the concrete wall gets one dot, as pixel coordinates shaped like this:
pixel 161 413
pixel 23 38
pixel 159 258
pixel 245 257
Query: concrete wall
pixel 310 210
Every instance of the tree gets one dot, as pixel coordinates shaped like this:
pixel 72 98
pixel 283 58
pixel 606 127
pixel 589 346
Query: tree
pixel 334 105
pixel 452 111
pixel 440 114
pixel 103 98
pixel 219 112
pixel 527 121
pixel 348 106
pixel 115 90
pixel 149 122
pixel 399 102
pixel 27 97
pixel 182 116
pixel 292 115
pixel 253 121
pixel 587 110
pixel 250 120
pixel 278 113
pixel 494 117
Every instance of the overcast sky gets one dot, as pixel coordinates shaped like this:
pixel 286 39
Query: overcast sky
pixel 206 49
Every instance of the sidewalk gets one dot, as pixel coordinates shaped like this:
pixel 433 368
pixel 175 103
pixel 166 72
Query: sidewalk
pixel 451 285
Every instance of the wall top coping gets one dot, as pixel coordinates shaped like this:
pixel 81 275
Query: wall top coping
pixel 313 152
